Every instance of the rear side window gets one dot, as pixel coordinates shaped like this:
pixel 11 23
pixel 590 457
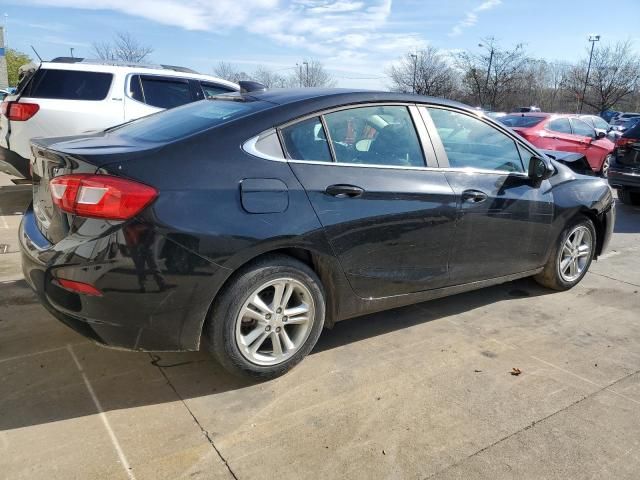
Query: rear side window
pixel 69 85
pixel 382 135
pixel 187 120
pixel 210 90
pixel 520 120
pixel 560 125
pixel 165 92
pixel 306 140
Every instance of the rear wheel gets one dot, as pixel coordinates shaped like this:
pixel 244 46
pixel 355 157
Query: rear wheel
pixel 571 256
pixel 268 319
pixel 627 197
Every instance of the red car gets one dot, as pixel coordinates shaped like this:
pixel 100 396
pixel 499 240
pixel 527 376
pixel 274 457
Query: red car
pixel 566 133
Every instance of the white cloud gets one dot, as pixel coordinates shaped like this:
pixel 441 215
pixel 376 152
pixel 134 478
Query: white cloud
pixel 471 17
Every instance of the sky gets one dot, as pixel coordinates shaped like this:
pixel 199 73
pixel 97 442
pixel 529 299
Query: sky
pixel 356 40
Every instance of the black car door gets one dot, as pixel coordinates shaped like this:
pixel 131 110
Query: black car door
pixel 389 218
pixel 504 220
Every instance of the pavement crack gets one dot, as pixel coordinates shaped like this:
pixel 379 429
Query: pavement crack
pixel 613 278
pixel 195 419
pixel 534 423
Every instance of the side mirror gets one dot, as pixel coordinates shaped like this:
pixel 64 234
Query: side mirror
pixel 600 134
pixel 539 170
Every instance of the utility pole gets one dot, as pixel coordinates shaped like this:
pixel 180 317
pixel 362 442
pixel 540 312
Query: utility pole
pixel 415 67
pixel 6 32
pixel 300 74
pixel 486 81
pixel 71 50
pixel 593 39
pixel 306 78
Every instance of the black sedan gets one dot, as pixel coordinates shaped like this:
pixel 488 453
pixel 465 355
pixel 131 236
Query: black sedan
pixel 625 167
pixel 254 220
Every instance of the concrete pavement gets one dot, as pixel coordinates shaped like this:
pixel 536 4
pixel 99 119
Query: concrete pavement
pixel 419 392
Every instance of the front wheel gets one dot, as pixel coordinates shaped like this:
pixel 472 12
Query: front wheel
pixel 571 256
pixel 268 319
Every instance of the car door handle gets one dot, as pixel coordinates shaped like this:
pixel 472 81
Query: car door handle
pixel 344 191
pixel 473 196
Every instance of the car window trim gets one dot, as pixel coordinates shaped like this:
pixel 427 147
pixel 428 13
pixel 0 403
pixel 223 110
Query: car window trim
pixel 482 118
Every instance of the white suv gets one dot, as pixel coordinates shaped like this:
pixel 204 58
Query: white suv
pixel 70 96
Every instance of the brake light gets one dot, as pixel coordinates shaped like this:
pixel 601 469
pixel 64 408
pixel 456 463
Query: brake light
pixel 19 112
pixel 79 287
pixel 624 141
pixel 100 196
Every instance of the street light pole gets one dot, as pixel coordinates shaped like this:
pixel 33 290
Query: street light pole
pixel 593 39
pixel 306 79
pixel 486 81
pixel 415 67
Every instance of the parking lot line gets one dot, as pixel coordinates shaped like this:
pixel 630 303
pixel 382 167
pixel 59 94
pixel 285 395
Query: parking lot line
pixel 114 440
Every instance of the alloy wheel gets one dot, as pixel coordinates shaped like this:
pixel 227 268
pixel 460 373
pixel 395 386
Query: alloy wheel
pixel 275 321
pixel 605 166
pixel 575 253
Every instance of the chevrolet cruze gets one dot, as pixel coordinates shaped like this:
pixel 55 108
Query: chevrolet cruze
pixel 252 221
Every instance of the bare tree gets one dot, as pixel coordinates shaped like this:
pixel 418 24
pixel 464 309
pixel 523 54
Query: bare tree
pixel 269 78
pixel 124 48
pixel 229 72
pixel 614 76
pixel 492 76
pixel 428 70
pixel 311 73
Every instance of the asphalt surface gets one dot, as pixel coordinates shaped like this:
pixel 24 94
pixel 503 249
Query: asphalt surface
pixel 419 392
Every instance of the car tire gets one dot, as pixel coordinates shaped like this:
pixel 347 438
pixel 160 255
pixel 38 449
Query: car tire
pixel 571 257
pixel 249 331
pixel 604 170
pixel 627 197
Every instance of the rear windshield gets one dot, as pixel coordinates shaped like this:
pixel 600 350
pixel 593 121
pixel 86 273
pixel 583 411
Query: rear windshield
pixel 520 120
pixel 187 120
pixel 68 85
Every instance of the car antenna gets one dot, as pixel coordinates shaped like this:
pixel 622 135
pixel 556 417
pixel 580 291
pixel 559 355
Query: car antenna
pixel 36 52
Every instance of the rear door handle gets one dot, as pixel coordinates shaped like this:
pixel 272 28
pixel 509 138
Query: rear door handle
pixel 344 191
pixel 473 196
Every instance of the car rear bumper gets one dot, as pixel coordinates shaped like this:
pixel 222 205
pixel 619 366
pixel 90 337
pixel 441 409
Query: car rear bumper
pixel 624 177
pixel 13 164
pixel 146 303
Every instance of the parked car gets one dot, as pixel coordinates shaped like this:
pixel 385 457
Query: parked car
pixel 624 173
pixel 527 109
pixel 566 133
pixel 252 221
pixel 69 96
pixel 599 125
pixel 624 121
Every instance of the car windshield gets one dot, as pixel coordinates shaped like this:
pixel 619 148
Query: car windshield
pixel 189 119
pixel 520 120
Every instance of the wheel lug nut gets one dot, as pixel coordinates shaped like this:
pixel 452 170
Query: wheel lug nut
pixel 284 319
pixel 268 316
pixel 279 310
pixel 267 328
pixel 278 329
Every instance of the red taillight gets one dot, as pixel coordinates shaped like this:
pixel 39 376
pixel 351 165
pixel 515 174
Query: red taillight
pixel 19 112
pixel 100 196
pixel 623 141
pixel 79 287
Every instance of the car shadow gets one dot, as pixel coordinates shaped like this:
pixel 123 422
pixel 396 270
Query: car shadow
pixel 627 218
pixel 14 199
pixel 46 387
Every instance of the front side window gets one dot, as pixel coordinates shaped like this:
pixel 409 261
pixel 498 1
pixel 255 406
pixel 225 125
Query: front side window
pixel 560 125
pixel 68 85
pixel 306 140
pixel 382 135
pixel 471 143
pixel 600 123
pixel 165 92
pixel 582 129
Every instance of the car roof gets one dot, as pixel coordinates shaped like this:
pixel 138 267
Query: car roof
pixel 109 67
pixel 339 96
pixel 530 114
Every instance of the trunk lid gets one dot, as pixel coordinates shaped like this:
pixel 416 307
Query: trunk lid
pixel 53 157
